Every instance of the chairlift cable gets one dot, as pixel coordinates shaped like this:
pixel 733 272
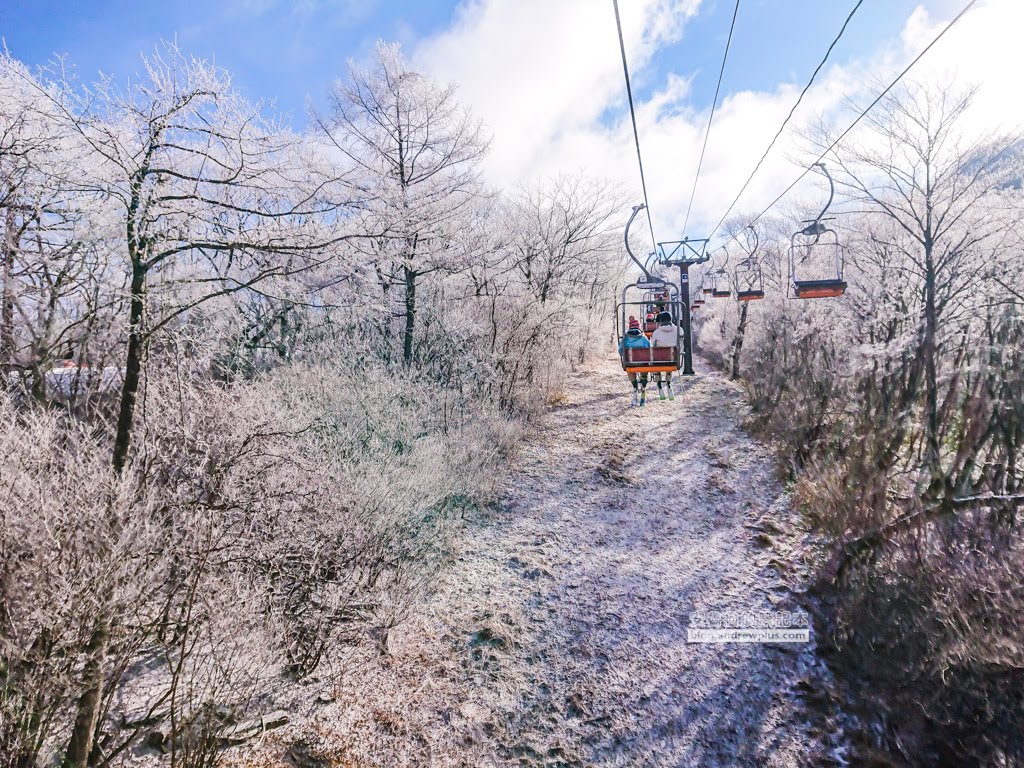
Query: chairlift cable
pixel 861 116
pixel 782 127
pixel 711 117
pixel 632 114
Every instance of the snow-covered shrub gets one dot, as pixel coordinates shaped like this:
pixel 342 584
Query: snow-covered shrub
pixel 900 410
pixel 291 371
pixel 259 526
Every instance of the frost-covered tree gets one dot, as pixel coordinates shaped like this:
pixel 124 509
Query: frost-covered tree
pixel 566 239
pixel 234 511
pixel 55 248
pixel 211 199
pixel 933 188
pixel 900 409
pixel 417 156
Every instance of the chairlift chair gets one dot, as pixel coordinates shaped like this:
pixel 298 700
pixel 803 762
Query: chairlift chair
pixel 816 255
pixel 748 274
pixel 708 279
pixel 716 278
pixel 655 301
pixel 720 284
pixel 638 295
pixel 749 282
pixel 634 301
pixel 707 282
pixel 816 262
pixel 698 293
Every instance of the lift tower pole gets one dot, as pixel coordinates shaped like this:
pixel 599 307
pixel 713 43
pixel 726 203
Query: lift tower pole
pixel 683 254
pixel 684 297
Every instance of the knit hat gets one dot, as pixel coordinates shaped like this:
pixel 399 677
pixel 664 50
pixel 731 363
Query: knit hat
pixel 633 322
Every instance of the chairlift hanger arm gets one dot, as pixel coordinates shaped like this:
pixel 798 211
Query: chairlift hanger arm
pixel 625 237
pixel 814 227
pixel 715 258
pixel 757 241
pixel 831 189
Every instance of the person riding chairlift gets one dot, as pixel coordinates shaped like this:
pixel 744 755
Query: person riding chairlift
pixel 666 335
pixel 635 339
pixel 662 300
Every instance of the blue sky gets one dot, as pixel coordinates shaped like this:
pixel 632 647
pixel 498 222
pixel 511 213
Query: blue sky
pixel 546 78
pixel 274 50
pixel 779 40
pixel 288 50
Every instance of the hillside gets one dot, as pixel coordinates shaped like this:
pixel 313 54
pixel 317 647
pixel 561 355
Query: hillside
pixel 559 635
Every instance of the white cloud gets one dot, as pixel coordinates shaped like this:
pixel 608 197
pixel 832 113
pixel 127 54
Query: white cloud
pixel 983 49
pixel 541 75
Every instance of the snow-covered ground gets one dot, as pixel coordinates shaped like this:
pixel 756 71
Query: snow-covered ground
pixel 558 637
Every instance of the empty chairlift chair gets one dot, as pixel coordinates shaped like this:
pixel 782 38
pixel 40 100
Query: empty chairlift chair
pixel 748 275
pixel 707 286
pixel 707 280
pixel 816 263
pixel 749 281
pixel 698 294
pixel 720 284
pixel 717 277
pixel 816 256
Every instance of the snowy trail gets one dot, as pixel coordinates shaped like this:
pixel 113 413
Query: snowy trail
pixel 559 636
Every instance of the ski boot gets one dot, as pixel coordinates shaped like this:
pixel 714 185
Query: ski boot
pixel 671 396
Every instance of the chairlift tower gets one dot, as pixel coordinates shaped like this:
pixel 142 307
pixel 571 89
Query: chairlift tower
pixel 684 254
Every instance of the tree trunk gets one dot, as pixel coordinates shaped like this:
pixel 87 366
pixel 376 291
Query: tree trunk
pixel 410 313
pixel 737 341
pixel 928 354
pixel 7 308
pixel 132 369
pixel 89 703
pixel 494 321
pixel 87 719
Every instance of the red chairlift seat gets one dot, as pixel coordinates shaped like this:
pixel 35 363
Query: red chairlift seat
pixel 720 284
pixel 751 295
pixel 819 289
pixel 650 359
